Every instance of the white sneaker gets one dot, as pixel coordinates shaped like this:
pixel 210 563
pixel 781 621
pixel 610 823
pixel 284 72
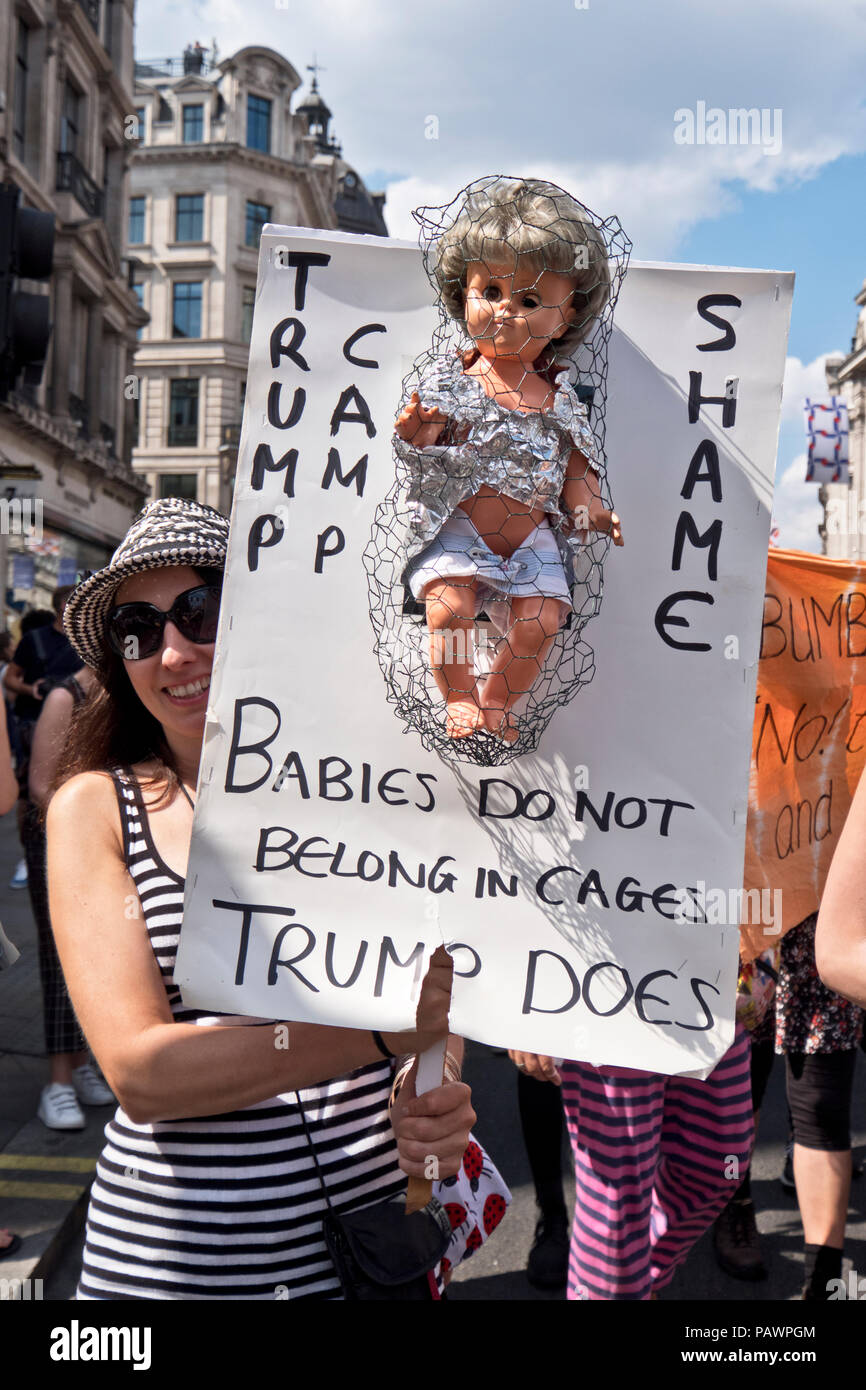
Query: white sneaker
pixel 90 1087
pixel 58 1108
pixel 19 878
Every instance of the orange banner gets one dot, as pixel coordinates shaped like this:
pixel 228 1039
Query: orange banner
pixel 809 740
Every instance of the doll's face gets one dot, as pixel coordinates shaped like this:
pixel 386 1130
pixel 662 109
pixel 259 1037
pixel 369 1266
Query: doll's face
pixel 513 312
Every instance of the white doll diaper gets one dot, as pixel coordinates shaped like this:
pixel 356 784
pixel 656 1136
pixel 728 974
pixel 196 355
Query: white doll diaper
pixel 534 570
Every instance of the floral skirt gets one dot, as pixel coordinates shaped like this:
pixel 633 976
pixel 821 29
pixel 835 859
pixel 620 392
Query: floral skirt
pixel 808 1016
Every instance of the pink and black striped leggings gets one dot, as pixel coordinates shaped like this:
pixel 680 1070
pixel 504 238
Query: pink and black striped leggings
pixel 656 1159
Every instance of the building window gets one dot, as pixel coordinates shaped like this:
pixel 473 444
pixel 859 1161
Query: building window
pixel 189 220
pixel 138 291
pixel 259 124
pixel 141 118
pixel 249 299
pixel 70 120
pixel 183 414
pixel 136 221
pixel 257 215
pixel 178 485
pixel 136 422
pixel 186 310
pixel 193 125
pixel 19 115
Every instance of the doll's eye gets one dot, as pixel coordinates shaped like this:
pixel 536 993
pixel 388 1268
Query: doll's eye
pixel 530 301
pixel 493 293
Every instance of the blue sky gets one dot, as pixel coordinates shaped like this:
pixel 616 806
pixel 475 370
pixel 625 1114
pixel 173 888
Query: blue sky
pixel 586 93
pixel 815 229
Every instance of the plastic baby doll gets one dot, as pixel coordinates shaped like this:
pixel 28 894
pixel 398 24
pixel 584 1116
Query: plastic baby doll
pixel 501 458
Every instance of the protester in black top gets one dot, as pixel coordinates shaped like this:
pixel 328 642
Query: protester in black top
pixel 43 658
pixel 42 655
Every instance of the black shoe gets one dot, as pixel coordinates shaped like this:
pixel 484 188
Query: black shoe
pixel 736 1242
pixel 786 1177
pixel 547 1266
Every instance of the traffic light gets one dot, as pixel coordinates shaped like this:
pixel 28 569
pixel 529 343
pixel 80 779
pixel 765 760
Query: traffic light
pixel 26 253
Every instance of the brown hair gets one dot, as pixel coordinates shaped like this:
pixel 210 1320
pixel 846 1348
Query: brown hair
pixel 112 728
pixel 532 225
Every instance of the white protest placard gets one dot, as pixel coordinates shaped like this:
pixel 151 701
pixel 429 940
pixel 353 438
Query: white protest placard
pixel 331 851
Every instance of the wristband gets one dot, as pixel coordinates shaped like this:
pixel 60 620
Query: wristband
pixel 452 1067
pixel 399 1079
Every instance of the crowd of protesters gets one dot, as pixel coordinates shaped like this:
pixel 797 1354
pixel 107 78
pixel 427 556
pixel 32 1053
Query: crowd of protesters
pixel 276 1149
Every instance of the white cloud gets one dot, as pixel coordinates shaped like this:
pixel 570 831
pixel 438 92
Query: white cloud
pixel 796 509
pixel 591 93
pixel 656 203
pixel 803 379
pixel 406 194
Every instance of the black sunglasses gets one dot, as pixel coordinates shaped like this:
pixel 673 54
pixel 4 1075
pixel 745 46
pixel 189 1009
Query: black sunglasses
pixel 135 630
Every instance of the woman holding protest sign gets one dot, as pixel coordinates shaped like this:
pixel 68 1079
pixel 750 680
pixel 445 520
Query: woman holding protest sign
pixel 228 1201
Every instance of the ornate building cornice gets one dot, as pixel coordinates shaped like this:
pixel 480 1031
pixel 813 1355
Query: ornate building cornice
pixel 853 366
pixel 90 454
pixel 218 151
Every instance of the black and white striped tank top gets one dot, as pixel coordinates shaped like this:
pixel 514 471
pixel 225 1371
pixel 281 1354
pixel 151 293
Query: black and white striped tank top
pixel 227 1206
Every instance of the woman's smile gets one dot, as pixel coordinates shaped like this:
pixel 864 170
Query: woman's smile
pixel 191 691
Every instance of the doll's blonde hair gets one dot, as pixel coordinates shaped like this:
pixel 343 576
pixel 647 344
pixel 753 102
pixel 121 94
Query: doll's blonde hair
pixel 533 224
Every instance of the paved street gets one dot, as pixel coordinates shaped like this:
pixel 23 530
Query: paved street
pixel 44 1174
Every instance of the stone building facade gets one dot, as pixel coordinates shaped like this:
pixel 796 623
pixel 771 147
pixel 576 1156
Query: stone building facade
pixel 66 129
pixel 844 530
pixel 221 153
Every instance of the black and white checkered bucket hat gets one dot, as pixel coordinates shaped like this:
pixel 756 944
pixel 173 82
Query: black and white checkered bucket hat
pixel 169 531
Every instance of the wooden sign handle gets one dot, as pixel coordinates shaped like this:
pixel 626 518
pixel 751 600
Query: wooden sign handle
pixel 431 1073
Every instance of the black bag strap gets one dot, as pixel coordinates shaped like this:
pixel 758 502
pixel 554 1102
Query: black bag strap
pixel 380 1246
pixel 313 1151
pixel 77 691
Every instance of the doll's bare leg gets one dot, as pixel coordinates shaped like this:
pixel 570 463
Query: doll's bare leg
pixel 519 661
pixel 451 623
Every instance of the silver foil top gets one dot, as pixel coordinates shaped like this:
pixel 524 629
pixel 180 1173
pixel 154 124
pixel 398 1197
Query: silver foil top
pixel 523 455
